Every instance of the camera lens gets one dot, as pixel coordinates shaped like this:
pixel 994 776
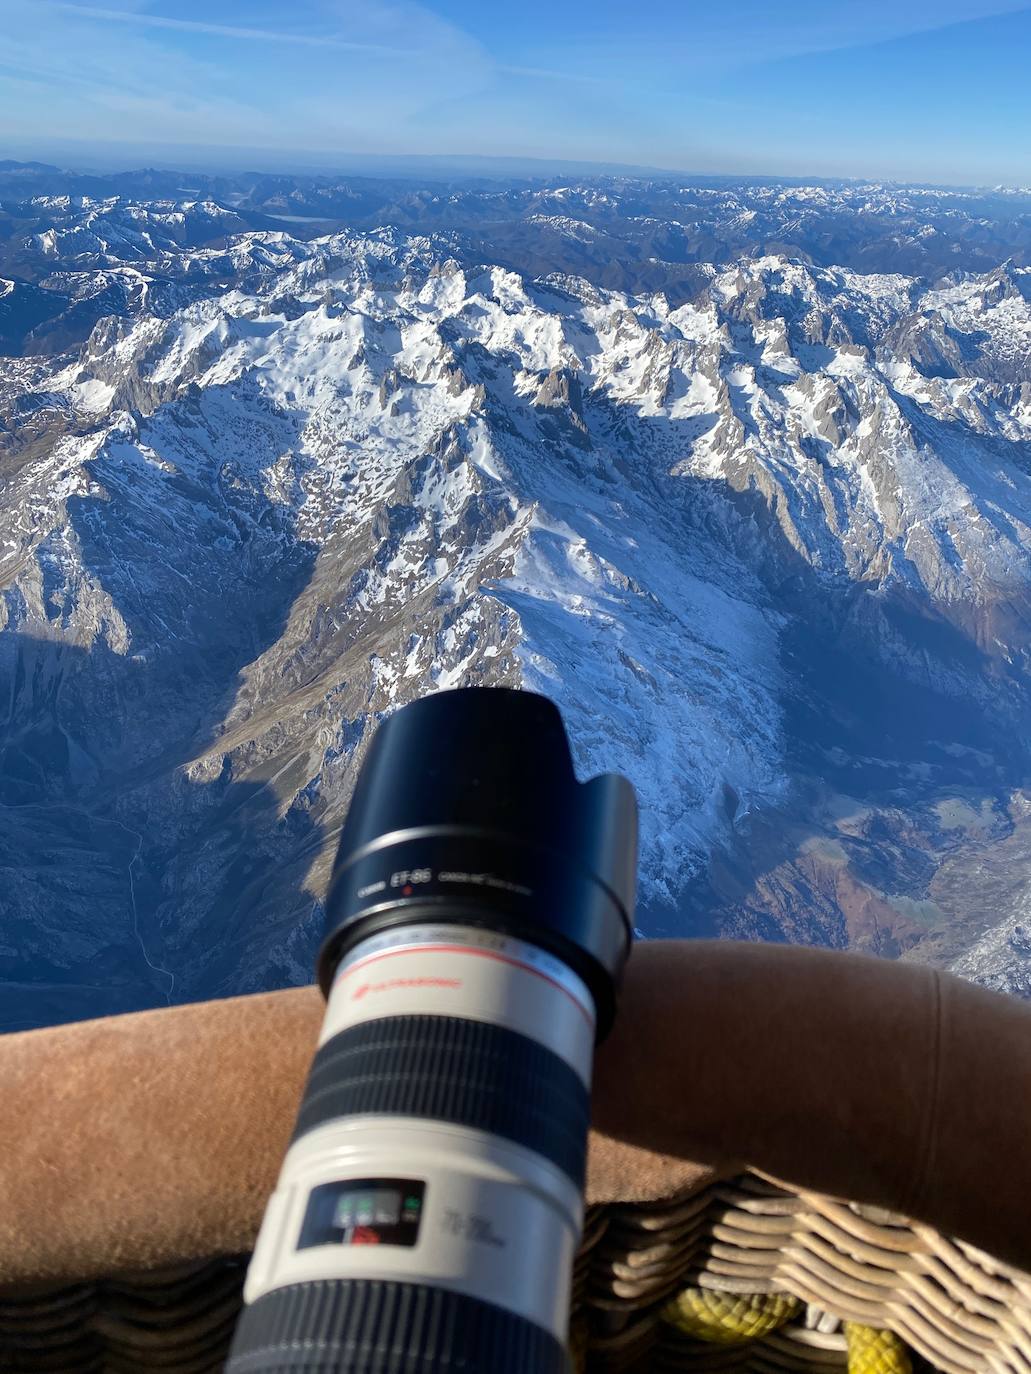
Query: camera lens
pixel 478 919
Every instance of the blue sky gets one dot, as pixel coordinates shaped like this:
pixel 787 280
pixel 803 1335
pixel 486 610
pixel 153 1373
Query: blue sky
pixel 909 90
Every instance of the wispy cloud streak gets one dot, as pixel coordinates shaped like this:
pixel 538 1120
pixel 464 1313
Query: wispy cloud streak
pixel 549 74
pixel 157 21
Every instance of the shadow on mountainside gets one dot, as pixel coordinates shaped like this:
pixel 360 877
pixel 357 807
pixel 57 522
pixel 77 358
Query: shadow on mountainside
pixel 904 742
pixel 129 885
pixel 147 858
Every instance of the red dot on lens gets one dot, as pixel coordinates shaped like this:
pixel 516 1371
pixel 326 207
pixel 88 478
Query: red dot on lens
pixel 407 890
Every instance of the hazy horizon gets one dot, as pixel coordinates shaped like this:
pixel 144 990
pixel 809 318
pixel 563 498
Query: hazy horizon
pixel 925 93
pixel 104 160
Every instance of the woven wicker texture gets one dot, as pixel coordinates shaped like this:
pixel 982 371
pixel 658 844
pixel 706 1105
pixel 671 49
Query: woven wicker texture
pixel 955 1307
pixel 786 1280
pixel 177 1320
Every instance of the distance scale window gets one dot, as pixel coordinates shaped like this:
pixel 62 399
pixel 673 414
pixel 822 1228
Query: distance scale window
pixel 363 1211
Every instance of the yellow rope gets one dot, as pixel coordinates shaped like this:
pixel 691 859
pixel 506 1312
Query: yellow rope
pixel 727 1318
pixel 732 1319
pixel 871 1351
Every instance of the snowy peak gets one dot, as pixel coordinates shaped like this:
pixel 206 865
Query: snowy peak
pixel 812 387
pixel 765 540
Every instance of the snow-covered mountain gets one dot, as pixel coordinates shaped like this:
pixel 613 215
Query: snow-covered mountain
pixel 767 542
pixel 626 228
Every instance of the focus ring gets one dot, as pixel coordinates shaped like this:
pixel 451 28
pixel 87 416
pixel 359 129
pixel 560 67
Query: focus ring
pixel 375 1326
pixel 452 1069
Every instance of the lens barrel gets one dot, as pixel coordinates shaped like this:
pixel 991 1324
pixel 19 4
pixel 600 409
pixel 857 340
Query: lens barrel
pixel 478 921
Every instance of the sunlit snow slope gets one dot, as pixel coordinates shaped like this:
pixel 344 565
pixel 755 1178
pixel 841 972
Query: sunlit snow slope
pixel 768 549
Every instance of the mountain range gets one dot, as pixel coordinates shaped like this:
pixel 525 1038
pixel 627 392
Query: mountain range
pixel 738 473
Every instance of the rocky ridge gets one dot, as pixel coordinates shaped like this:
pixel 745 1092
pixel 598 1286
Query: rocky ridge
pixel 767 546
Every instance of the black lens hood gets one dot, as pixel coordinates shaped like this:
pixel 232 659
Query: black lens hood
pixel 467 809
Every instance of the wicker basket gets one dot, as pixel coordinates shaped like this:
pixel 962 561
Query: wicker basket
pixel 953 1307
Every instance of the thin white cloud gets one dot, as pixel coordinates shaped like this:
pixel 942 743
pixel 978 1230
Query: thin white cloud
pixel 846 29
pixel 94 71
pixel 716 40
pixel 549 74
pixel 157 21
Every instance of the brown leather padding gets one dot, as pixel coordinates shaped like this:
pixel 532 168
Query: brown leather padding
pixel 138 1141
pixel 885 1083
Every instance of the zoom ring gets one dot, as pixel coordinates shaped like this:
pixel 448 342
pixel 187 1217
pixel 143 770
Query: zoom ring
pixel 451 1069
pixel 374 1326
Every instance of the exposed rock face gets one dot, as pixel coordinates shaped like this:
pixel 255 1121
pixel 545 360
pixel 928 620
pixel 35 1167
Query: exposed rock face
pixel 768 549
